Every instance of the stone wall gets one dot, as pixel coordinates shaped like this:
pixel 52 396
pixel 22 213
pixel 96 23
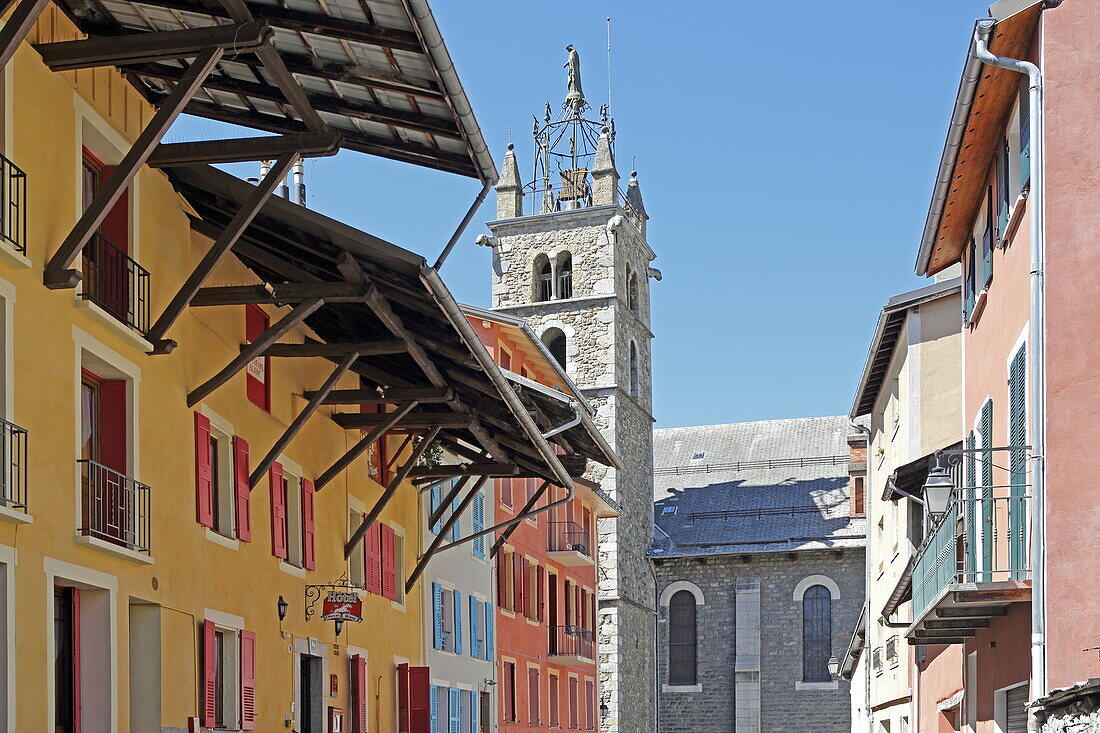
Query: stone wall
pixel 749 631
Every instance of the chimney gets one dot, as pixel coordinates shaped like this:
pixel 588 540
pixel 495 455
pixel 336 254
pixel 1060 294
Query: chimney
pixel 300 183
pixel 857 475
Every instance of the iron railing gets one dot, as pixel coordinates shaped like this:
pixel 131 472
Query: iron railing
pixel 116 283
pixel 568 536
pixel 13 210
pixel 746 465
pixel 572 641
pixel 13 466
pixel 980 539
pixel 573 193
pixel 114 507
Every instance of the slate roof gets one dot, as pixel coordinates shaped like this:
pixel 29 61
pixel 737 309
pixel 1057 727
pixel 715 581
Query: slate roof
pixel 769 486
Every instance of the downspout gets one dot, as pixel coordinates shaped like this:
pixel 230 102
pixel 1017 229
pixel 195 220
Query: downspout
pixel 478 200
pixel 866 597
pixel 573 421
pixel 1037 367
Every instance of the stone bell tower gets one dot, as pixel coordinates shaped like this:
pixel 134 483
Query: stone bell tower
pixel 570 256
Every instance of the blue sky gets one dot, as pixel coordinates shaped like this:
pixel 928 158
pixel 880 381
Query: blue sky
pixel 786 152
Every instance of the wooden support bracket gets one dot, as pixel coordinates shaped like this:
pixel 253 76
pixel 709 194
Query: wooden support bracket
pixel 337 350
pixel 423 395
pixel 445 530
pixel 17 26
pixel 364 443
pixel 246 149
pixel 261 294
pixel 417 420
pixel 512 528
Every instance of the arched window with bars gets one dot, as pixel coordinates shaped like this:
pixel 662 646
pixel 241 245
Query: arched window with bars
pixel 817 633
pixel 635 378
pixel 554 338
pixel 565 275
pixel 632 290
pixel 544 279
pixel 682 639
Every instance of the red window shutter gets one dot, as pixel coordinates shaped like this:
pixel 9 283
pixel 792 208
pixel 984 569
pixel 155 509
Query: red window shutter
pixel 533 695
pixel 506 491
pixel 243 491
pixel 248 680
pixel 420 718
pixel 389 565
pixel 541 594
pixel 116 225
pixel 403 698
pixel 112 441
pixel 502 579
pixel 517 584
pixel 278 511
pixel 309 562
pixel 209 688
pixel 589 705
pixel 373 552
pixel 573 722
pixel 76 660
pixel 204 489
pixel 525 572
pixel 359 694
pixel 258 371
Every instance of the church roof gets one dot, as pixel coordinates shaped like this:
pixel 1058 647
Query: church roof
pixel 768 486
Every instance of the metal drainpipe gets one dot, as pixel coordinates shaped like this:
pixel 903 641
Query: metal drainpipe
pixel 867 647
pixel 1037 367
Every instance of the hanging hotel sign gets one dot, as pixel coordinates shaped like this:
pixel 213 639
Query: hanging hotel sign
pixel 342 604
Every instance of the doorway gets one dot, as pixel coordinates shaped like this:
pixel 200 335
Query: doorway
pixel 552 608
pixel 310 694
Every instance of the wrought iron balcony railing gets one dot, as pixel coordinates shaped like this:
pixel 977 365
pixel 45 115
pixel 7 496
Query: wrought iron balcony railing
pixel 576 191
pixel 13 466
pixel 572 641
pixel 13 209
pixel 116 283
pixel 113 507
pixel 568 537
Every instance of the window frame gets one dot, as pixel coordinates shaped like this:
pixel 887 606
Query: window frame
pixel 680 603
pixel 817 615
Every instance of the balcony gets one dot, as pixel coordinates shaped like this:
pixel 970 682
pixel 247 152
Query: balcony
pixel 13 466
pixel 972 564
pixel 572 645
pixel 115 282
pixel 13 212
pixel 569 544
pixel 114 508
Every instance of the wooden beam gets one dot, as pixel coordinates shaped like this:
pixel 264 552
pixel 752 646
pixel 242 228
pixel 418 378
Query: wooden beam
pixel 391 489
pixel 512 528
pixel 300 421
pixel 364 443
pixel 423 395
pixel 225 241
pixel 17 26
pixel 939 633
pixel 972 611
pixel 261 294
pixel 417 420
pixel 57 275
pixel 994 595
pixel 151 47
pixel 335 351
pixel 321 102
pixel 957 623
pixel 445 503
pixel 246 149
pixel 932 642
pixel 256 348
pixel 444 531
pixel 466 469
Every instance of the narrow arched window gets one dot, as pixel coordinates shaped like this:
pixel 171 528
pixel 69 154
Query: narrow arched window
pixel 682 638
pixel 565 275
pixel 544 279
pixel 817 633
pixel 632 290
pixel 554 339
pixel 635 379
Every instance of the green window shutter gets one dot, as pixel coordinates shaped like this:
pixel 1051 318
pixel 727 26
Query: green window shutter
pixel 1004 197
pixel 1017 465
pixel 1025 136
pixel 970 506
pixel 971 276
pixel 987 240
pixel 987 514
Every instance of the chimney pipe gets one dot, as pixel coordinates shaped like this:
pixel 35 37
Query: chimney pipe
pixel 300 183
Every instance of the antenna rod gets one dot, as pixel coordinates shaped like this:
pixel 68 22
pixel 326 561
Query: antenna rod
pixel 609 65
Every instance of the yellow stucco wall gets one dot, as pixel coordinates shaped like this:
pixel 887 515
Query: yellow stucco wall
pixel 46 115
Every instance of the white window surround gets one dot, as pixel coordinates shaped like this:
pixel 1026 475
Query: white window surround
pixel 681 688
pixel 224 493
pixel 99 651
pixel 808 582
pixel 8 255
pixel 231 626
pixel 8 561
pixel 293 474
pixel 812 686
pixel 7 379
pixel 672 588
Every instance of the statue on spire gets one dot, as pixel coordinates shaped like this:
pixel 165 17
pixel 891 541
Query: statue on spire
pixel 574 100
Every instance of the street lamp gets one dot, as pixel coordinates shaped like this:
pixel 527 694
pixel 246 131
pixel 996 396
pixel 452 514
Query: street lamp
pixel 834 666
pixel 283 605
pixel 937 490
pixel 339 625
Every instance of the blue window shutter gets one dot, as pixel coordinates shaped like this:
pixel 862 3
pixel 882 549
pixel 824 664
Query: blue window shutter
pixel 473 711
pixel 437 496
pixel 489 631
pixel 456 530
pixel 454 709
pixel 458 622
pixel 475 648
pixel 435 709
pixel 437 615
pixel 479 524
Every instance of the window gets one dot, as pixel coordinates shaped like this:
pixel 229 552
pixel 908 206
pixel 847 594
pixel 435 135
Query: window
pixel 109 498
pixel 555 703
pixel 817 632
pixel 479 525
pixel 533 702
pixel 635 387
pixel 66 619
pixel 1017 465
pixel 590 705
pixel 106 280
pixel 544 279
pixel 1004 193
pixel 574 721
pixel 447 618
pixel 859 497
pixel 969 294
pixel 505 487
pixel 554 339
pixel 987 240
pixel 228 677
pixel 505 358
pixel 258 372
pixel 682 638
pixel 565 275
pixel 509 691
pixel 505 580
pixel 223 495
pixel 384 553
pixel 1025 136
pixel 292 521
pixel 631 290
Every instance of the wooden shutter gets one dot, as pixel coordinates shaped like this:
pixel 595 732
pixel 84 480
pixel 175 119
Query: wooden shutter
pixel 419 700
pixel 489 622
pixel 573 719
pixel 456 609
pixel 456 529
pixel 278 511
pixel 209 686
pixel 77 704
pixel 473 711
pixel 389 561
pixel 1017 465
pixel 433 504
pixel 402 698
pixel 258 371
pixel 554 702
pixel 502 579
pixel 590 705
pixel 540 593
pixel 359 694
pixel 986 503
pixel 248 680
pixel 506 491
pixel 372 552
pixel 116 225
pixel 309 561
pixel 509 691
pixel 475 642
pixel 437 616
pixel 518 564
pixel 454 709
pixel 204 488
pixel 1025 135
pixel 479 524
pixel 533 695
pixel 433 708
pixel 112 415
pixel 243 490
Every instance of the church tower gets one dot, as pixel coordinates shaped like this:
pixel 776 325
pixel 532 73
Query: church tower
pixel 570 256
